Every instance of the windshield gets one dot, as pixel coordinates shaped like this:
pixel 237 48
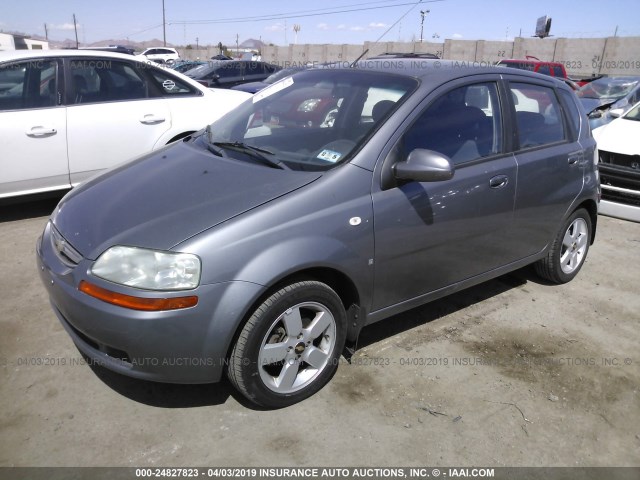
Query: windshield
pixel 311 121
pixel 608 88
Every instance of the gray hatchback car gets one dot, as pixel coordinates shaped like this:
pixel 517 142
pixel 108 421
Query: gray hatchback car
pixel 335 198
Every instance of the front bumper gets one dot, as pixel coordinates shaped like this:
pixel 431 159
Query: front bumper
pixel 179 346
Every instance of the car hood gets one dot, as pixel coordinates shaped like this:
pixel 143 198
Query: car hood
pixel 619 136
pixel 590 104
pixel 166 197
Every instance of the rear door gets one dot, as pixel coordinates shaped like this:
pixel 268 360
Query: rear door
pixel 430 235
pixel 550 163
pixel 34 128
pixel 228 74
pixel 111 115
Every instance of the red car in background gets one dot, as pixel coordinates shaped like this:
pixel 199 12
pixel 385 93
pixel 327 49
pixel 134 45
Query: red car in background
pixel 553 69
pixel 532 64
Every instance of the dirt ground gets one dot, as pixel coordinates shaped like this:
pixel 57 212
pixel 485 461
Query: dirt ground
pixel 513 372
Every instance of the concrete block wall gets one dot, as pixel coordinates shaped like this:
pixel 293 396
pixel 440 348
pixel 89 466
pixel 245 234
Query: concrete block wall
pixel 582 57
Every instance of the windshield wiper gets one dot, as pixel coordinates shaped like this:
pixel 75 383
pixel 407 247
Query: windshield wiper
pixel 253 152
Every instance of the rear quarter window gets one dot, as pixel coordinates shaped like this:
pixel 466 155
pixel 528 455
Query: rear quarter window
pixel 572 112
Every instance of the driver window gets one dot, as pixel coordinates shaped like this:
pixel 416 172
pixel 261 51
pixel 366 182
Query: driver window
pixel 464 124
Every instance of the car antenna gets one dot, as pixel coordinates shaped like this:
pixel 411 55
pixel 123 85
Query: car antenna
pixel 353 64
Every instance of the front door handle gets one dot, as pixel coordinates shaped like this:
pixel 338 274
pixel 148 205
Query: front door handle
pixel 499 181
pixel 40 131
pixel 151 119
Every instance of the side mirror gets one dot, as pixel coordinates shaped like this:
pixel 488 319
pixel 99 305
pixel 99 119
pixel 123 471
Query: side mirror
pixel 424 166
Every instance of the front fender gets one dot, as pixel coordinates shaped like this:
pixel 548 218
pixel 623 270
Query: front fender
pixel 289 257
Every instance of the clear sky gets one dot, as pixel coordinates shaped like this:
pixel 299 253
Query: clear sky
pixel 329 21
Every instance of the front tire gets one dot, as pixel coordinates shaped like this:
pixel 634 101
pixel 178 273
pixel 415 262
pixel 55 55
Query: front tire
pixel 291 345
pixel 569 249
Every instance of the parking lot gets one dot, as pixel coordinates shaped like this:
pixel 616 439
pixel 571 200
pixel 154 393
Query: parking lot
pixel 512 372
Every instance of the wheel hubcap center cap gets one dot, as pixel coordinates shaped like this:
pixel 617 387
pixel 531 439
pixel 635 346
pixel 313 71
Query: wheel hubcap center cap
pixel 299 348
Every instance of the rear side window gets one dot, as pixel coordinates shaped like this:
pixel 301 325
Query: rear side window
pixel 254 68
pixel 229 70
pixel 568 99
pixel 544 69
pixel 557 72
pixel 30 84
pixel 538 115
pixel 464 124
pixel 104 81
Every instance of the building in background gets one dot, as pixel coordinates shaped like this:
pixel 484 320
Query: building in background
pixel 10 41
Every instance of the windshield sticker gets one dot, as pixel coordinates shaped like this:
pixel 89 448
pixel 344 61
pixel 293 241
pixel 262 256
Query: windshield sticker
pixel 329 156
pixel 275 88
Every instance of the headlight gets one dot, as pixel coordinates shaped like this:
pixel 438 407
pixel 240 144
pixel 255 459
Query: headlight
pixel 148 269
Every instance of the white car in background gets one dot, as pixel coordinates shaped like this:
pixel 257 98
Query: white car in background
pixel 161 55
pixel 619 147
pixel 66 115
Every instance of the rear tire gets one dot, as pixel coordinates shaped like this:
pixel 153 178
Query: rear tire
pixel 290 346
pixel 569 249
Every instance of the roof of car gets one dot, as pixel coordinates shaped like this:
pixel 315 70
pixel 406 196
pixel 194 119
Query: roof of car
pixel 434 69
pixel 25 54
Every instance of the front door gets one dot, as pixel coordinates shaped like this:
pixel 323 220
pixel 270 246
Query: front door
pixel 432 235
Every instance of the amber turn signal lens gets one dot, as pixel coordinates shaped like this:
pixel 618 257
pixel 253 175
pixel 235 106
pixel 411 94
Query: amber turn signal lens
pixel 137 303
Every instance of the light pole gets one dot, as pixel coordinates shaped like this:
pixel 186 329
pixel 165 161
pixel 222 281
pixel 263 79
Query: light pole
pixel 296 28
pixel 422 14
pixel 164 25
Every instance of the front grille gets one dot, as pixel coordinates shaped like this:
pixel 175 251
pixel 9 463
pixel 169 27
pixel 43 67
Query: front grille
pixel 629 161
pixel 64 250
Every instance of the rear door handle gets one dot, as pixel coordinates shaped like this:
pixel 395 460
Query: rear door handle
pixel 498 181
pixel 151 119
pixel 40 131
pixel 574 158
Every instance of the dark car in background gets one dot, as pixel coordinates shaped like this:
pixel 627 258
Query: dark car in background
pixel 229 73
pixel 414 55
pixel 254 87
pixel 183 66
pixel 259 249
